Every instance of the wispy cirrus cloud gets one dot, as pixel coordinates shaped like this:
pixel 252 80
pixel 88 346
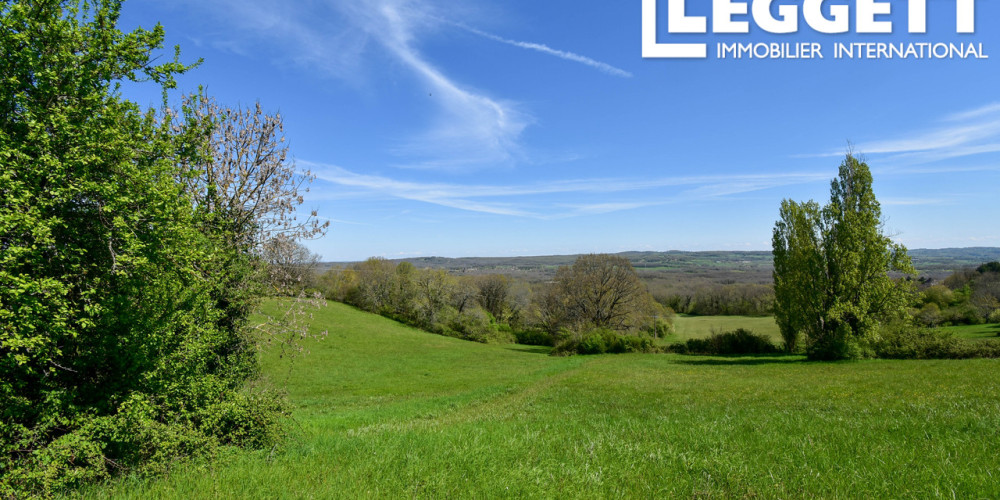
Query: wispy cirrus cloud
pixel 962 139
pixel 545 49
pixel 988 109
pixel 542 200
pixel 962 134
pixel 470 129
pixel 289 35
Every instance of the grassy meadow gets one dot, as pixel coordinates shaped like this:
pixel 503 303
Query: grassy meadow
pixel 975 332
pixel 383 410
pixel 689 327
pixel 696 327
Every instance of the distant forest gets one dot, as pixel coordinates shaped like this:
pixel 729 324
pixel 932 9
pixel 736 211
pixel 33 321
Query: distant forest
pixel 933 265
pixel 700 283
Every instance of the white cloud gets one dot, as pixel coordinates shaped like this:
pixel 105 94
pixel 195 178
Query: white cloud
pixel 347 39
pixel 962 134
pixel 938 139
pixel 474 129
pixel 992 108
pixel 333 48
pixel 339 39
pixel 538 200
pixel 545 49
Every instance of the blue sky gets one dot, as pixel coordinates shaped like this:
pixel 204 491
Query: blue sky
pixel 481 128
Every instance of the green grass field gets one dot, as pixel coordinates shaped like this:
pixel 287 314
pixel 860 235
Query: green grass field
pixel 384 410
pixel 688 327
pixel 696 327
pixel 975 332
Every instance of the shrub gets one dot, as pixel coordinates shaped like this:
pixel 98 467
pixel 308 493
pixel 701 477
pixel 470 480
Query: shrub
pixel 601 341
pixel 662 326
pixel 739 341
pixel 994 317
pixel 631 343
pixel 907 342
pixel 929 314
pixel 900 342
pixel 533 336
pixel 963 314
pixel 678 348
pixel 477 325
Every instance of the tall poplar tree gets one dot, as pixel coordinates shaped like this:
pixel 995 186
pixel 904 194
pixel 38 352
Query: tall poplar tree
pixel 832 269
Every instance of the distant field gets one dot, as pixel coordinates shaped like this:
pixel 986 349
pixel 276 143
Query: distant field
pixel 384 410
pixel 689 327
pixel 742 267
pixel 990 331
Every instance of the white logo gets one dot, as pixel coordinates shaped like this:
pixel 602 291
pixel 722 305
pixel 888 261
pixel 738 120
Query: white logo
pixel 787 21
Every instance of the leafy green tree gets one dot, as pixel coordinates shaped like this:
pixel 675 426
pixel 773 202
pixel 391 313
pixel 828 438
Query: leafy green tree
pixel 494 294
pixel 799 298
pixel 434 291
pixel 122 343
pixel 603 291
pixel 831 269
pixel 376 285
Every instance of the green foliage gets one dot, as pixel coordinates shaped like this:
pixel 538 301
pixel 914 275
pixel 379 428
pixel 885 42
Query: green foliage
pixel 989 267
pixel 604 341
pixel 739 341
pixel 968 297
pixel 831 269
pixel 729 299
pixel 662 324
pixel 533 336
pixel 799 304
pixel 477 325
pixel 905 342
pixel 123 340
pixel 418 297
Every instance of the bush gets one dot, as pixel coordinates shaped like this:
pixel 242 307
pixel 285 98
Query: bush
pixel 929 314
pixel 994 317
pixel 902 342
pixel 907 342
pixel 533 336
pixel 477 325
pixel 592 343
pixel 662 326
pixel 601 341
pixel 740 341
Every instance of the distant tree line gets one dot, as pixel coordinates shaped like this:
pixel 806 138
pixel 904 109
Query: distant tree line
pixel 728 299
pixel 598 291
